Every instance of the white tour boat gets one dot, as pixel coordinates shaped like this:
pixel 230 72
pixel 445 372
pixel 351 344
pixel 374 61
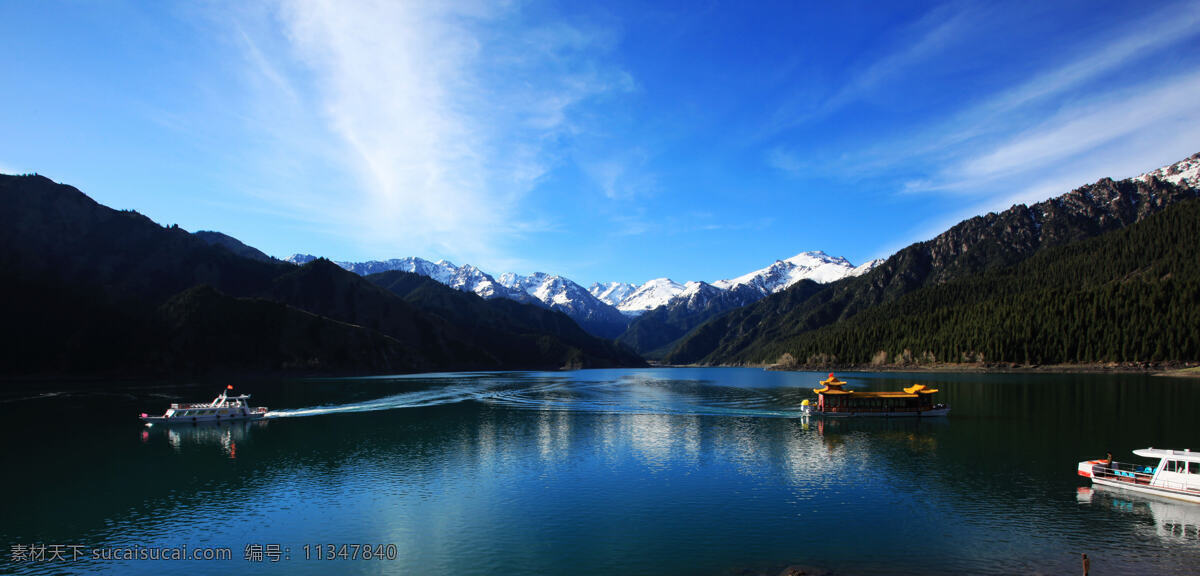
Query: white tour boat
pixel 223 408
pixel 1176 476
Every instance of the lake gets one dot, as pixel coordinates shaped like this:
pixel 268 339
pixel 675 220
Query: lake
pixel 654 471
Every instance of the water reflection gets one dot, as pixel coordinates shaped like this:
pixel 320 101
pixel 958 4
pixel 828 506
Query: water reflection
pixel 224 435
pixel 1172 521
pixel 606 472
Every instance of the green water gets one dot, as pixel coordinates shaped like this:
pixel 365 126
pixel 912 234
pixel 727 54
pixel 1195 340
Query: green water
pixel 661 471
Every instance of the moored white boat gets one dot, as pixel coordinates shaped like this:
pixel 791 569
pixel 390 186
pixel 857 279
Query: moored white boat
pixel 223 408
pixel 1176 476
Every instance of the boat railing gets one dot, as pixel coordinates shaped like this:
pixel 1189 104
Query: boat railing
pixel 877 410
pixel 193 405
pixel 228 405
pixel 1124 472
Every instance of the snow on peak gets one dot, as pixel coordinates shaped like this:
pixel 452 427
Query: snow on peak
pixel 866 267
pixel 612 293
pixel 1186 172
pixel 816 266
pixel 563 294
pixel 650 295
pixel 466 278
pixel 300 259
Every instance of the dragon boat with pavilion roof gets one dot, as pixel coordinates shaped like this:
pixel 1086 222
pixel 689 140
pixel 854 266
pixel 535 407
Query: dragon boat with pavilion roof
pixel 834 400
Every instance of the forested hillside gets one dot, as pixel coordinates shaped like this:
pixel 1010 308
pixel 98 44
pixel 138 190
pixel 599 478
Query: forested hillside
pixel 927 291
pixel 1128 296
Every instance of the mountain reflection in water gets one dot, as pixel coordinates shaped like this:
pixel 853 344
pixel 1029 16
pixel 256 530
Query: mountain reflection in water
pixel 654 471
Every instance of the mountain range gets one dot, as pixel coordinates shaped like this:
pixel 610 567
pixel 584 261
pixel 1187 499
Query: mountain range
pixel 607 310
pixel 1108 272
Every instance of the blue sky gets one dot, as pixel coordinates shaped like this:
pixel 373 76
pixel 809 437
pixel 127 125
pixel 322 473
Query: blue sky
pixel 599 140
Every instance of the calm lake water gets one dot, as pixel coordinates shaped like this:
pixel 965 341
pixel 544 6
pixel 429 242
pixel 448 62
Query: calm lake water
pixel 658 471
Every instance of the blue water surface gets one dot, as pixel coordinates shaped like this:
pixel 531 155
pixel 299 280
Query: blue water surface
pixel 654 471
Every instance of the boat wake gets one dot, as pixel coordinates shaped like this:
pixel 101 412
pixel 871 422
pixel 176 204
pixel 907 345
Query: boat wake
pixel 417 399
pixel 636 394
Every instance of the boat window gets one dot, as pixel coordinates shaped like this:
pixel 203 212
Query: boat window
pixel 1193 467
pixel 1170 467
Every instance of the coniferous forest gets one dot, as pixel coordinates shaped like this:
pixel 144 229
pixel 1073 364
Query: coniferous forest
pixel 1131 295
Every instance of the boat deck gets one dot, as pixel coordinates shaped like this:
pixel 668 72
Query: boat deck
pixel 1121 472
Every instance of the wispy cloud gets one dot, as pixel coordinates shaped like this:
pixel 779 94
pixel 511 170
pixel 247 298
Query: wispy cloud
pixel 930 36
pixel 623 176
pixel 786 161
pixel 444 115
pixel 1170 104
pixel 1164 28
pixel 1055 116
pixel 1065 124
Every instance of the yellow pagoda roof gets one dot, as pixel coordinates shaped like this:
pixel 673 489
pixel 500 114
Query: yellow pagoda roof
pixel 920 389
pixel 832 386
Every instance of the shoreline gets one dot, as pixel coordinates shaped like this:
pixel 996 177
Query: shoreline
pixel 1165 369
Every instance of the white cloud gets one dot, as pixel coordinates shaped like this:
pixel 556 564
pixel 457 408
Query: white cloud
pixel 443 114
pixel 930 36
pixel 623 176
pixel 786 161
pixel 1028 123
pixel 1062 127
pixel 1156 31
pixel 1159 108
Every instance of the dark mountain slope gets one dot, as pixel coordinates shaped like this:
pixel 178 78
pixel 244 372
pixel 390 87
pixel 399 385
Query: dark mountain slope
pixel 55 229
pixel 1132 295
pixel 521 333
pixel 232 244
pixel 970 247
pixel 89 289
pixel 203 330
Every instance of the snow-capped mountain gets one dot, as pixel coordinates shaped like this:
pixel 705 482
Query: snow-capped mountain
pixel 300 259
pixel 1186 172
pixel 612 293
pixel 657 326
pixel 559 293
pixel 649 296
pixel 697 296
pixel 606 309
pixel 816 266
pixel 471 279
pixel 466 278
